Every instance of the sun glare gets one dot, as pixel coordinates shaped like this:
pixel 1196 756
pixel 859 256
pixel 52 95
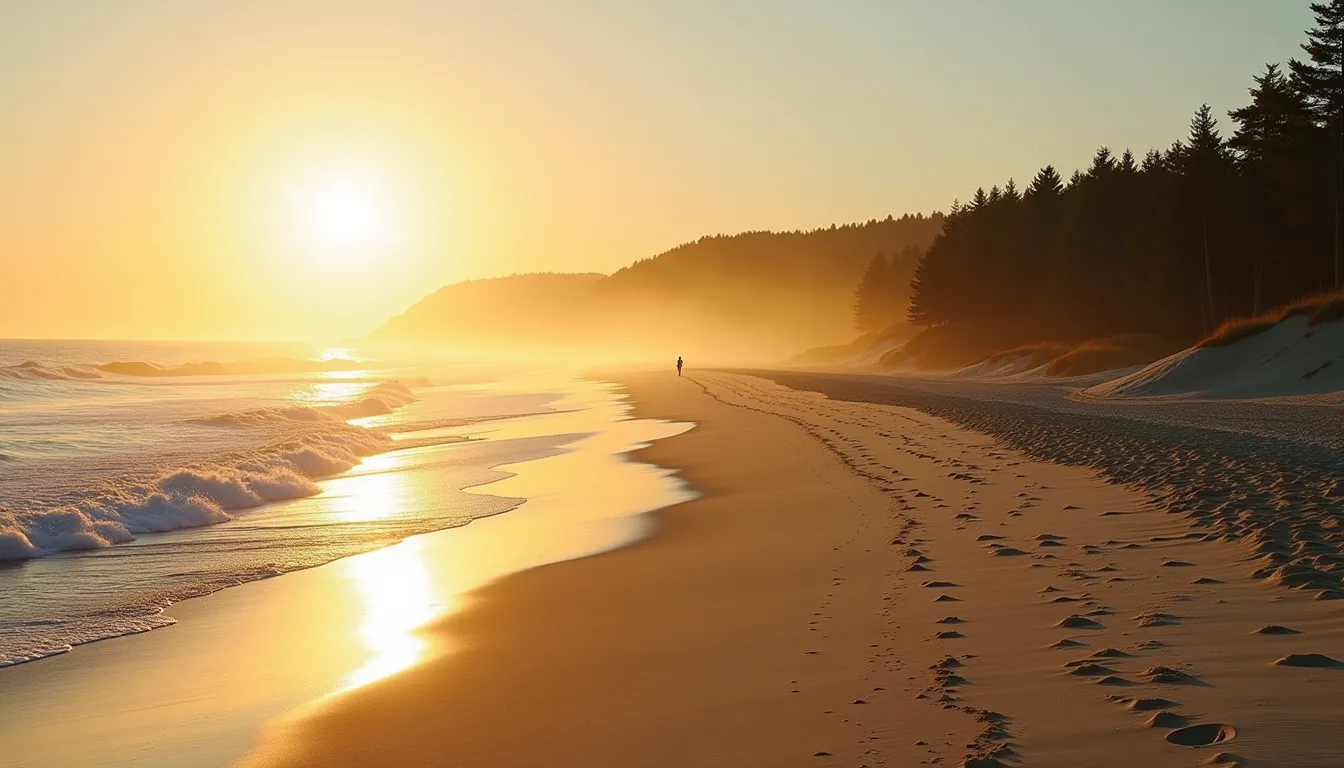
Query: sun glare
pixel 343 216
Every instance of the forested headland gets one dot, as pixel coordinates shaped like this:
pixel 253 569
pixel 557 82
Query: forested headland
pixel 754 295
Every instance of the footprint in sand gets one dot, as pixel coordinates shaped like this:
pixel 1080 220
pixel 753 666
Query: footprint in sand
pixel 1078 622
pixel 1311 660
pixel 1202 735
pixel 1146 704
pixel 1087 668
pixel 1111 653
pixel 1275 629
pixel 1170 676
pixel 1166 719
pixel 1156 619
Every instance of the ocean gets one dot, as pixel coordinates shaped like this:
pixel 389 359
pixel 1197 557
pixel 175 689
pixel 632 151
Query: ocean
pixel 135 475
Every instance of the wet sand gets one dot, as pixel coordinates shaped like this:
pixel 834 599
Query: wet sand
pixel 865 584
pixel 194 693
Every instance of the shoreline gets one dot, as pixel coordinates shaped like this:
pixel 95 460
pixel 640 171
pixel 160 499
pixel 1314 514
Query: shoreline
pixel 195 692
pixel 857 583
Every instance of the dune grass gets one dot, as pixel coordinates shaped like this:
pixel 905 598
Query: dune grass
pixel 1110 353
pixel 944 348
pixel 1330 309
pixel 1319 308
pixel 1040 353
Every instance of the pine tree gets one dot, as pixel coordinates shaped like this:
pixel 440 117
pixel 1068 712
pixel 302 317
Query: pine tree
pixel 1320 76
pixel 1204 165
pixel 1321 79
pixel 1047 182
pixel 1270 133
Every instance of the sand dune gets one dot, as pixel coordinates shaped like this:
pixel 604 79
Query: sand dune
pixel 1291 359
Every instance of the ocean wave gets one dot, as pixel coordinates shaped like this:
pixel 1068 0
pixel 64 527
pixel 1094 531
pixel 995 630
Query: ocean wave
pixel 35 371
pixel 142 368
pixel 189 497
pixel 206 492
pixel 379 400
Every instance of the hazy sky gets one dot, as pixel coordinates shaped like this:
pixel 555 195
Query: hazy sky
pixel 185 168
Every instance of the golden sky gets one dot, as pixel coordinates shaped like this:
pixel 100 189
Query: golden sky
pixel 305 168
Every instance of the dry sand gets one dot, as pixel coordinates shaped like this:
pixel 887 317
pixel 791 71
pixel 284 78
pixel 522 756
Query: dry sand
pixel 867 584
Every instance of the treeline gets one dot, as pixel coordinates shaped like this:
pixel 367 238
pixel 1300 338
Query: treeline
pixel 1172 243
pixel 884 291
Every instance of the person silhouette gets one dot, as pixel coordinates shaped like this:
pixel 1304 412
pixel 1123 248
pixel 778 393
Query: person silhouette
pixel 678 365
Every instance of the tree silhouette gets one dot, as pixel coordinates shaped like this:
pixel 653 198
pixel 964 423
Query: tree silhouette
pixel 1321 80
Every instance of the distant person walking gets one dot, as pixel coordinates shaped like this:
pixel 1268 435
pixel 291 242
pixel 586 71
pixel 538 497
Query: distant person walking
pixel 678 365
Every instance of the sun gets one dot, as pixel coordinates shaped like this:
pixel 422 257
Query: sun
pixel 343 215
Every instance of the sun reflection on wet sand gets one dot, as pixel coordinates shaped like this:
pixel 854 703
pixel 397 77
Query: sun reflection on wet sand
pixel 582 500
pixel 375 491
pixel 397 598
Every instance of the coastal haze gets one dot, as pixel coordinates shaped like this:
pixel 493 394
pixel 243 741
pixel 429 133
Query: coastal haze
pixel 666 384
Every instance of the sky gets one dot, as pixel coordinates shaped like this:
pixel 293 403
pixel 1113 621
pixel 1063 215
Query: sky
pixel 303 169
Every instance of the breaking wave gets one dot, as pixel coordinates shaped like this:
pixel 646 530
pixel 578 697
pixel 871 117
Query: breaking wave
pixel 189 497
pixel 35 371
pixel 264 365
pixel 318 443
pixel 379 400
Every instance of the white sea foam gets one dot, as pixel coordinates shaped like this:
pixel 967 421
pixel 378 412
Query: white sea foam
pixel 206 492
pixel 94 459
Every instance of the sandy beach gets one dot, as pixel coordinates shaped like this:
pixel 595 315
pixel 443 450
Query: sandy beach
pixel 862 584
pixel 666 384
